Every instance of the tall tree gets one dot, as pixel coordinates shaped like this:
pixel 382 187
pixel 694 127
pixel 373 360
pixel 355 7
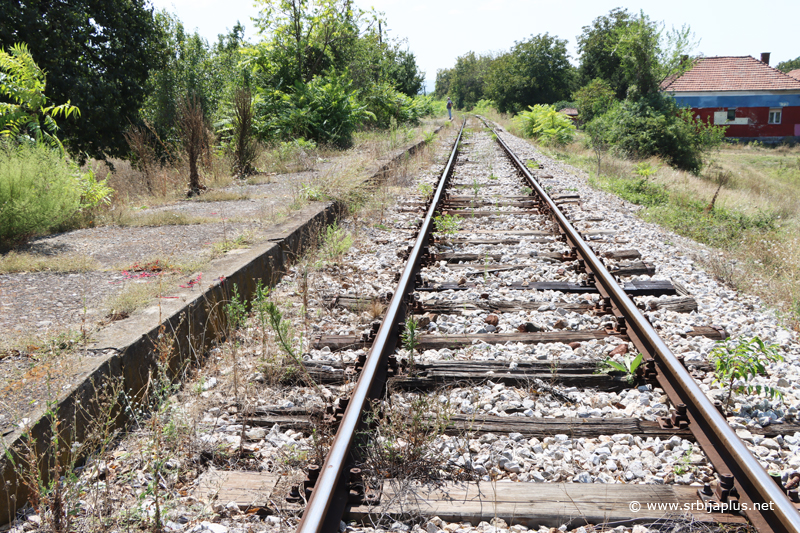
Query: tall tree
pixel 306 37
pixel 96 54
pixel 535 71
pixel 444 77
pixel 597 45
pixel 468 78
pixel 191 67
pixel 788 66
pixel 648 54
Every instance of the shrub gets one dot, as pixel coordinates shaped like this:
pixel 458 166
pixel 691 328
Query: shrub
pixel 324 110
pixel 547 125
pixel 655 125
pixel 386 103
pixel 594 99
pixel 38 190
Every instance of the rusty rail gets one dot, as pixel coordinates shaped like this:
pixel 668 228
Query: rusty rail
pixel 328 500
pixel 739 471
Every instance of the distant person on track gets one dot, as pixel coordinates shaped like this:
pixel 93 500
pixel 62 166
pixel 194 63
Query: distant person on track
pixel 449 108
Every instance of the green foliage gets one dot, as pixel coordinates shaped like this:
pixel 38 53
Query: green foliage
pixel 306 39
pixel 410 337
pixel 632 54
pixel 386 105
pixel 790 65
pixel 484 106
pixel 235 310
pixel 444 77
pixel 335 242
pixel 657 126
pixel 644 170
pixel 684 463
pixel 23 105
pixel 596 45
pixel 210 74
pixel 547 125
pixel 593 99
pixel 97 55
pixel 535 71
pixel 467 80
pixel 39 190
pixel 628 366
pixel 425 189
pixel 744 360
pixel 447 225
pixel 325 110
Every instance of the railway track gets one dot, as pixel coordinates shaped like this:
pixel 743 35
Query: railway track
pixel 492 412
pixel 475 299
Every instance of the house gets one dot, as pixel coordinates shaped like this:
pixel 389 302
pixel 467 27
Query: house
pixel 755 101
pixel 795 73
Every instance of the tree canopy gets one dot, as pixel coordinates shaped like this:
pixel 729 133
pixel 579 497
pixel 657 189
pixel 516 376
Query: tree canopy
pixel 790 65
pixel 535 71
pixel 97 55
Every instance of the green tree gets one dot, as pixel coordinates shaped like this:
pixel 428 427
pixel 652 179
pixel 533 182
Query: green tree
pixel 536 71
pixel 24 113
pixel 597 44
pixel 209 73
pixel 96 55
pixel 444 77
pixel 648 54
pixel 305 38
pixel 788 66
pixel 468 79
pixel 594 99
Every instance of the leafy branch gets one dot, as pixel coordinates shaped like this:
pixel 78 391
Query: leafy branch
pixel 743 360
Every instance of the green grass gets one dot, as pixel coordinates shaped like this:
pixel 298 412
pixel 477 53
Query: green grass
pixel 754 220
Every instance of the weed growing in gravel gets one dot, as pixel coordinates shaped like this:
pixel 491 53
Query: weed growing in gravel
pixel 683 465
pixel 628 366
pixel 425 190
pixel 336 241
pixel 236 314
pixel 401 447
pixel 743 360
pixel 447 225
pixel 526 191
pixel 410 338
pixel 283 335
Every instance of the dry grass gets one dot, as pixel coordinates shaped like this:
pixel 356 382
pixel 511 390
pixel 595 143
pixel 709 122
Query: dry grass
pixel 225 195
pixel 27 262
pixel 129 217
pixel 754 221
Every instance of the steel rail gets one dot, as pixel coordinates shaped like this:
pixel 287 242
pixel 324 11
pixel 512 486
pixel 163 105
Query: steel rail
pixel 724 448
pixel 328 501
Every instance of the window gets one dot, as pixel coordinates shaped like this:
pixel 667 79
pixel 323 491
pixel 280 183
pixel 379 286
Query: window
pixel 775 116
pixel 732 114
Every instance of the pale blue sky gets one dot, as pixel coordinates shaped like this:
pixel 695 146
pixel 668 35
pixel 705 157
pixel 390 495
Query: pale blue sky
pixel 438 32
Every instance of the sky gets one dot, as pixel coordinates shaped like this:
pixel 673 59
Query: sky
pixel 438 32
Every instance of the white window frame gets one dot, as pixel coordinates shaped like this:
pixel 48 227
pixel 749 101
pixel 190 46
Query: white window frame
pixel 775 113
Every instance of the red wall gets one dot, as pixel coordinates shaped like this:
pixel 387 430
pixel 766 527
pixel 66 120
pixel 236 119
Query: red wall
pixel 758 126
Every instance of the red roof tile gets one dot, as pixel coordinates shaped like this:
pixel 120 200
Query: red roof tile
pixel 795 73
pixel 732 73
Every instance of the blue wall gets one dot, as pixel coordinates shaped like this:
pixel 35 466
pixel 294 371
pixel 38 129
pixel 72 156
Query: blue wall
pixel 754 100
